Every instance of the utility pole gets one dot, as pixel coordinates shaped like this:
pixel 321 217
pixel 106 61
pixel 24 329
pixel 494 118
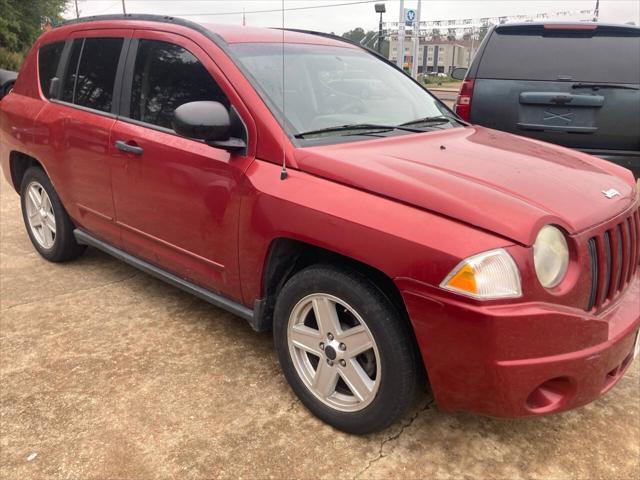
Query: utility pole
pixel 400 59
pixel 124 8
pixel 380 8
pixel 77 11
pixel 416 41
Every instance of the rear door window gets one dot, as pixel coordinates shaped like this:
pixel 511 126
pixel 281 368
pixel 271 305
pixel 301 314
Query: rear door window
pixel 48 59
pixel 598 58
pixel 166 76
pixel 91 73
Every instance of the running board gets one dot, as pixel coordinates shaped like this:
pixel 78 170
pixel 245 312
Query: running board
pixel 204 294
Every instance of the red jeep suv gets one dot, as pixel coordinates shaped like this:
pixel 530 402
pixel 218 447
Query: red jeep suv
pixel 310 187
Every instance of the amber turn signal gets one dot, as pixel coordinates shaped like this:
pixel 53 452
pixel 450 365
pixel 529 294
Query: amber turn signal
pixel 485 276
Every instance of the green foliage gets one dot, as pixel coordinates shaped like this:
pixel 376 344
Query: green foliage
pixel 10 60
pixel 358 33
pixel 435 80
pixel 21 24
pixel 355 35
pixel 483 32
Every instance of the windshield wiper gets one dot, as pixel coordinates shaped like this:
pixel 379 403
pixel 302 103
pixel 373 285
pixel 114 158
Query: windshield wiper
pixel 437 120
pixel 596 86
pixel 357 126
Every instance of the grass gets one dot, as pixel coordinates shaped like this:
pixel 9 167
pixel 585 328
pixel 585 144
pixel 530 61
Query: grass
pixel 435 80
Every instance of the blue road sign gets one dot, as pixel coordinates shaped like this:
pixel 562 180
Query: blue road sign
pixel 409 16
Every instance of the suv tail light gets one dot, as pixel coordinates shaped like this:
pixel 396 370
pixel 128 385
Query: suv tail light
pixel 463 102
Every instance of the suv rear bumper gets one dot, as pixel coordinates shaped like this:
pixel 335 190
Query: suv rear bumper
pixel 626 159
pixel 502 360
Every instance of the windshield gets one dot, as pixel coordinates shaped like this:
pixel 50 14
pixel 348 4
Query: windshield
pixel 329 86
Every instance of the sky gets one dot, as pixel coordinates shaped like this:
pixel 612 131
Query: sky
pixel 340 19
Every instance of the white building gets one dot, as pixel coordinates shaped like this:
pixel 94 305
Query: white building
pixel 437 55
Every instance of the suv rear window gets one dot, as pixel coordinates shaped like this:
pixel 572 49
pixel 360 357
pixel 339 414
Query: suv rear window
pixel 48 59
pixel 515 54
pixel 91 73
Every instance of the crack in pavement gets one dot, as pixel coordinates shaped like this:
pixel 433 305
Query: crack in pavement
pixel 393 437
pixel 97 287
pixel 291 406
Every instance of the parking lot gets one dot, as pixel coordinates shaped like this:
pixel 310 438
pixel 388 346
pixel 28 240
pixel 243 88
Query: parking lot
pixel 109 373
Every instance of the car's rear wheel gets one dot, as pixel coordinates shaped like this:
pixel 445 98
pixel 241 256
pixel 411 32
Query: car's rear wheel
pixel 48 225
pixel 344 349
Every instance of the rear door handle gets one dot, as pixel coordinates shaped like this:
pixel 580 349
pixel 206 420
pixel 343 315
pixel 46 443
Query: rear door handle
pixel 125 147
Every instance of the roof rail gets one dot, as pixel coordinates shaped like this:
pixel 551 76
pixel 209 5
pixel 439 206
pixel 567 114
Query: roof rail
pixel 147 17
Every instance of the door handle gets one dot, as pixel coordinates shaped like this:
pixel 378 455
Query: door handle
pixel 125 147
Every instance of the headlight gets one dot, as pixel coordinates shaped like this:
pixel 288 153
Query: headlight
pixel 485 276
pixel 550 256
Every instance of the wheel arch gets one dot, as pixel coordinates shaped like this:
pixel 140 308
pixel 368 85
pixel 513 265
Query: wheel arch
pixel 19 163
pixel 287 256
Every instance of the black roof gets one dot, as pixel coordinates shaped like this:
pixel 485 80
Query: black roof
pixel 586 28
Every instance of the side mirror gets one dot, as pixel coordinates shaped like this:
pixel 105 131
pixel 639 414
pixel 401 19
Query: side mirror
pixel 459 73
pixel 208 121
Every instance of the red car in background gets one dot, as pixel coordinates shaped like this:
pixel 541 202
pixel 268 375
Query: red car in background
pixel 312 188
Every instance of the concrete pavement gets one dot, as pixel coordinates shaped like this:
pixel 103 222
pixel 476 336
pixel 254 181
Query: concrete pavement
pixel 106 372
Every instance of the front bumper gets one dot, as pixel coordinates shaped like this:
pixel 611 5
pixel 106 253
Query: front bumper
pixel 518 360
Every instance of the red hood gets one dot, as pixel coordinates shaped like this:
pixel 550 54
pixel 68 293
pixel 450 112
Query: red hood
pixel 500 182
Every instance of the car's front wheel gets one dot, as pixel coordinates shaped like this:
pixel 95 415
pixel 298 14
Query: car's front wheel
pixel 344 349
pixel 48 225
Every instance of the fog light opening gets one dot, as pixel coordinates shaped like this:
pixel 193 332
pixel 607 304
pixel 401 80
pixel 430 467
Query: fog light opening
pixel 614 375
pixel 550 395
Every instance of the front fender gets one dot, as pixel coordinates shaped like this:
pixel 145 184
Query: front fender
pixel 397 239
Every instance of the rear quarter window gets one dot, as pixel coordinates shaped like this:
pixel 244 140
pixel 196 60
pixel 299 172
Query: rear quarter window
pixel 599 58
pixel 48 59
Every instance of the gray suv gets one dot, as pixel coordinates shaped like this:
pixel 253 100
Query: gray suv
pixel 576 85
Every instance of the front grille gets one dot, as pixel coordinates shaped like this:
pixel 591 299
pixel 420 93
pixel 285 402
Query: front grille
pixel 614 255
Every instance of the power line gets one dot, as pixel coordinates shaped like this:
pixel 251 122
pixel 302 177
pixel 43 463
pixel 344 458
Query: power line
pixel 109 7
pixel 275 10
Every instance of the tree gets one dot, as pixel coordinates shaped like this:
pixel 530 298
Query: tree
pixel 21 23
pixel 358 34
pixel 484 29
pixel 355 35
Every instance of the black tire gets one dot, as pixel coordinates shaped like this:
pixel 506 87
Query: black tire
pixel 65 247
pixel 399 365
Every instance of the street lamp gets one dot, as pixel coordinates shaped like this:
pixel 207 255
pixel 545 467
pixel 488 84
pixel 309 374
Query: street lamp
pixel 380 8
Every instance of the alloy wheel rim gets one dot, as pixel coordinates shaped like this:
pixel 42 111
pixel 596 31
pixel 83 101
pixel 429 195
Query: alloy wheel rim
pixel 334 352
pixel 42 220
